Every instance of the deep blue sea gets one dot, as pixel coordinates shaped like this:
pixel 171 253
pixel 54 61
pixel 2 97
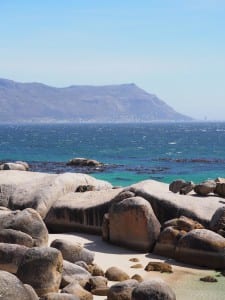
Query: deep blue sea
pixel 132 152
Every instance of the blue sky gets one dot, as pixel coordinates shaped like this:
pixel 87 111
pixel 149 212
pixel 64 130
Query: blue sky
pixel 172 48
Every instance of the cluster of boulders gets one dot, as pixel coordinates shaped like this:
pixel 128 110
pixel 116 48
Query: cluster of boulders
pixel 204 188
pixel 30 270
pixel 145 217
pixel 84 162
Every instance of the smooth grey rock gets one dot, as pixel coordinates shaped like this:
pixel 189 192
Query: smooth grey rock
pixel 40 190
pixel 167 205
pixel 27 221
pixel 155 289
pixel 122 290
pixel 220 189
pixel 72 272
pixel 73 251
pixel 11 288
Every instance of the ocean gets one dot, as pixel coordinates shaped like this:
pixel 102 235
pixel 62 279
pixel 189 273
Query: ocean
pixel 131 152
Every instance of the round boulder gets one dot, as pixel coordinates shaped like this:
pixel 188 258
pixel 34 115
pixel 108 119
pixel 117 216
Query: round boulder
pixel 12 288
pixel 122 290
pixel 12 236
pixel 77 290
pixel 27 221
pixel 132 223
pixel 42 269
pixel 73 272
pixel 205 188
pixel 203 248
pixel 116 274
pixel 153 289
pixel 73 251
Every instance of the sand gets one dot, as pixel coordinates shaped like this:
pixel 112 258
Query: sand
pixel 184 280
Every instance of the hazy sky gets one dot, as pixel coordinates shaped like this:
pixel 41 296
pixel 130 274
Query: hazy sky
pixel 172 48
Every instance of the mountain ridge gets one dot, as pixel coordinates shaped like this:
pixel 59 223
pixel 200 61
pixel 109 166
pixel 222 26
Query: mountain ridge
pixel 34 102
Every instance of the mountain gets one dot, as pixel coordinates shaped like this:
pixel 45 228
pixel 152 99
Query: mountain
pixel 36 102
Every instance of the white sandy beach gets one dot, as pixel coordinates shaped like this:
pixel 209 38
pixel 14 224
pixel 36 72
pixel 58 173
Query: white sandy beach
pixel 184 280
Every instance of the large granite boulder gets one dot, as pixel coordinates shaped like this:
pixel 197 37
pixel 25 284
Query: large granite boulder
pixel 73 251
pixel 217 222
pixel 11 288
pixel 153 289
pixel 41 267
pixel 10 256
pixel 29 222
pixel 203 248
pixel 167 205
pixel 80 211
pixel 40 190
pixel 122 290
pixel 132 223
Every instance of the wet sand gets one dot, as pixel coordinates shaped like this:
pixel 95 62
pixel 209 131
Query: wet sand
pixel 184 280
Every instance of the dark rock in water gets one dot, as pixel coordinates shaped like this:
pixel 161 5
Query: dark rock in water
pixel 205 188
pixel 155 289
pixel 84 162
pixel 203 248
pixel 217 222
pixel 159 266
pixel 11 288
pixel 208 279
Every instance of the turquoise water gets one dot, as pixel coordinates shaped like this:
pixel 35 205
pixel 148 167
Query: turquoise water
pixel 133 152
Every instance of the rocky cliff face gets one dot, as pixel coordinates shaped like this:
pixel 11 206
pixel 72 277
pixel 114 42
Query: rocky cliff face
pixel 36 102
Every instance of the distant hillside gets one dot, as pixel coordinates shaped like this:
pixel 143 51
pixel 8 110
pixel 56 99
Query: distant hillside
pixel 36 102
